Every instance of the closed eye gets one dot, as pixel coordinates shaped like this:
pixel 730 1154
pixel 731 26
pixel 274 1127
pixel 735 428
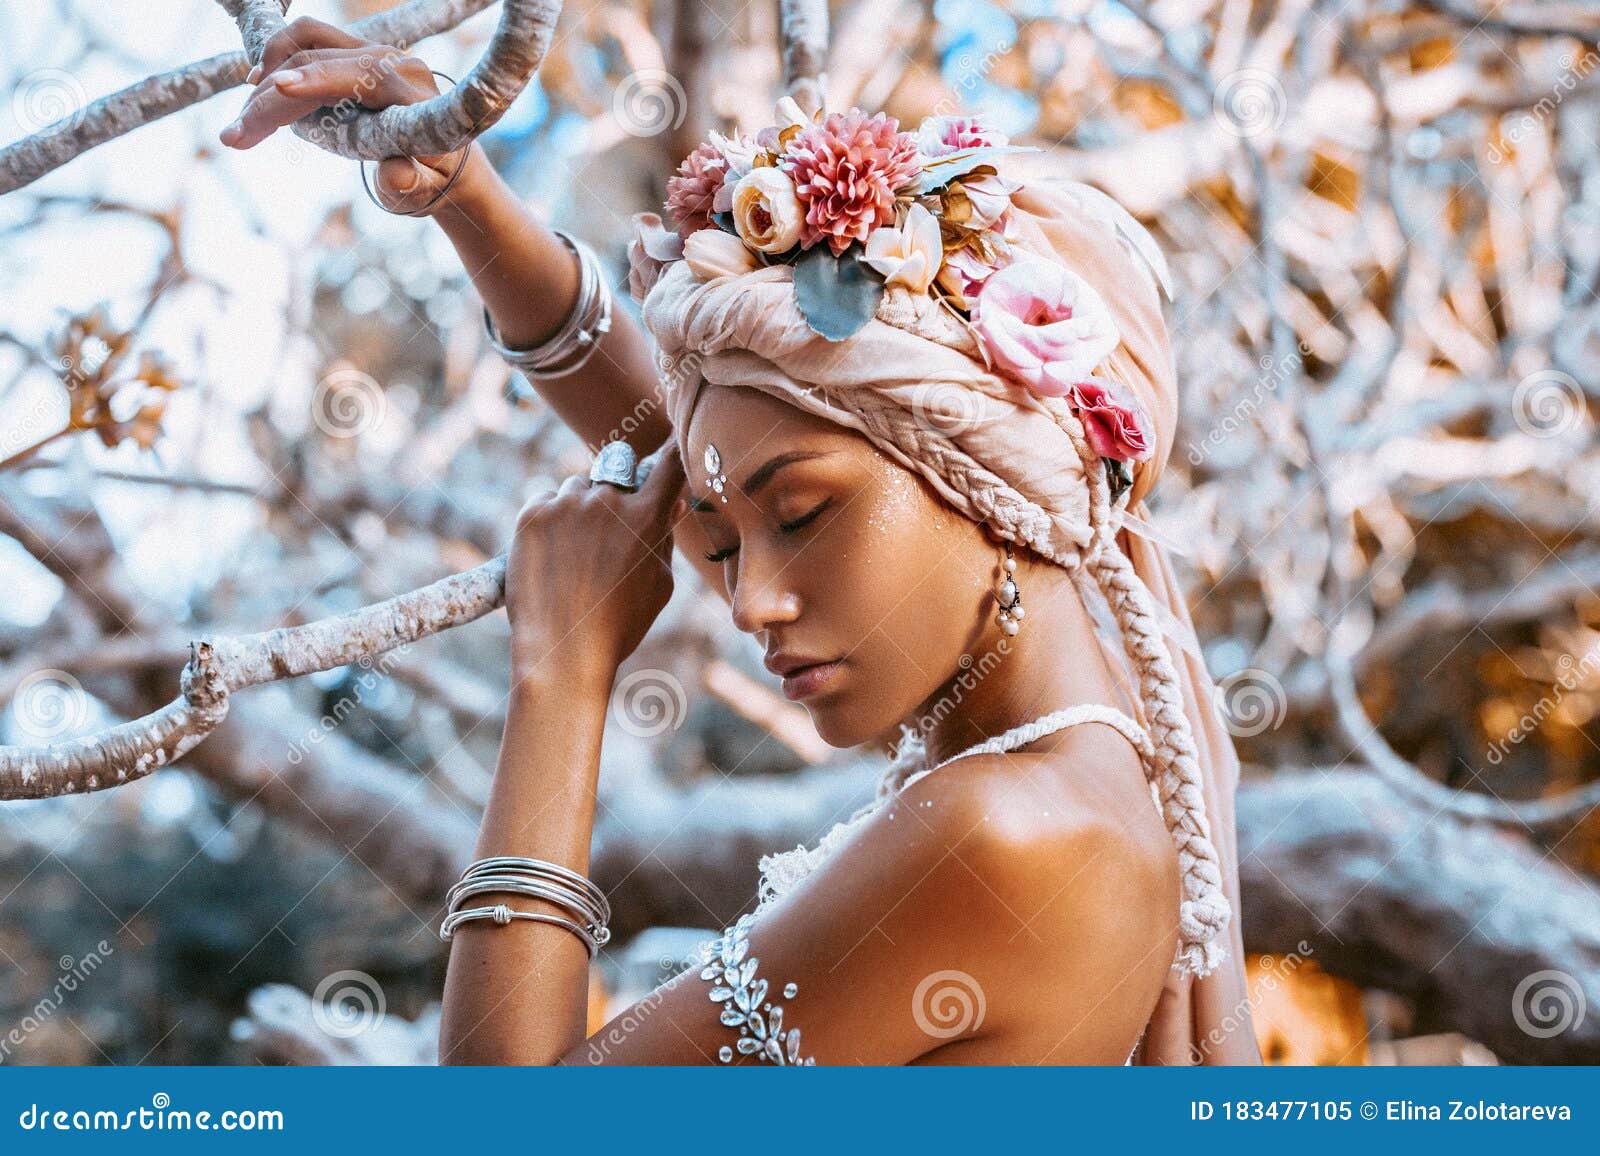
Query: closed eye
pixel 787 527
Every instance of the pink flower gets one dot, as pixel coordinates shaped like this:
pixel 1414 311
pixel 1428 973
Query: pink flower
pixel 1043 325
pixel 692 192
pixel 651 249
pixel 845 172
pixel 963 274
pixel 1113 419
pixel 941 135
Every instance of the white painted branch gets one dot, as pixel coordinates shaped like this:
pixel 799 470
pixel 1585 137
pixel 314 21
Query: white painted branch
pixel 158 96
pixel 223 665
pixel 435 126
pixel 803 28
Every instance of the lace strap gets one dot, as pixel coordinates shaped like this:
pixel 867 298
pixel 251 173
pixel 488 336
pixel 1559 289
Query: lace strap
pixel 1048 724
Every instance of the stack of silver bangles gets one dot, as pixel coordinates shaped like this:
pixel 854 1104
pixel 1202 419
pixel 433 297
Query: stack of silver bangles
pixel 539 879
pixel 571 346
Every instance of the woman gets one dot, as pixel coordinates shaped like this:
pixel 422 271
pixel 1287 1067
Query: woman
pixel 874 505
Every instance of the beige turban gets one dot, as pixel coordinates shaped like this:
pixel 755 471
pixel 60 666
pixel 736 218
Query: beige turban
pixel 914 382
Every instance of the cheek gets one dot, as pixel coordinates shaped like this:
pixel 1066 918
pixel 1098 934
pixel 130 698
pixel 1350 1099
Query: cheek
pixel 908 584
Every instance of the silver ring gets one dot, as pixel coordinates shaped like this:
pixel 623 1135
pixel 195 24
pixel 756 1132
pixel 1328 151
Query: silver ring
pixel 616 465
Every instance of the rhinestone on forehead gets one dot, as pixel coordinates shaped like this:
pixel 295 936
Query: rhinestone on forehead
pixel 713 460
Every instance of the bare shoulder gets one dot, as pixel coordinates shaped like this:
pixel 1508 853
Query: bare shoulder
pixel 1066 873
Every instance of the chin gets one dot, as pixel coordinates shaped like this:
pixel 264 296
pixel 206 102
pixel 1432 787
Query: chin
pixel 840 727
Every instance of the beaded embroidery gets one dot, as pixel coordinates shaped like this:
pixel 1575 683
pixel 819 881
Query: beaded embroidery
pixel 731 967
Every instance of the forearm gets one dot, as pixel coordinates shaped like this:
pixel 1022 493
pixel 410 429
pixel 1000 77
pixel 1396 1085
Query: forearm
pixel 518 994
pixel 528 278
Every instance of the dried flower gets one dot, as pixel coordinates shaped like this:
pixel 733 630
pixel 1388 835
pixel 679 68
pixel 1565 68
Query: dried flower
pixel 846 172
pixel 713 253
pixel 1113 420
pixel 910 255
pixel 941 135
pixel 650 250
pixel 692 192
pixel 766 211
pixel 1043 325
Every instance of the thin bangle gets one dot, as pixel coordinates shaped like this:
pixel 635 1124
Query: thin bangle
pixel 502 915
pixel 424 210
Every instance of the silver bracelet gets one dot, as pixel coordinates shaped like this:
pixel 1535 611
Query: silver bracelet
pixel 571 346
pixel 542 867
pixel 567 900
pixel 538 879
pixel 502 915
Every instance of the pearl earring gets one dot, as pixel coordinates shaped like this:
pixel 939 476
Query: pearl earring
pixel 1009 597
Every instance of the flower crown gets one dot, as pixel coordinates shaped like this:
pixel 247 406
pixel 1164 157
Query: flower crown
pixel 856 206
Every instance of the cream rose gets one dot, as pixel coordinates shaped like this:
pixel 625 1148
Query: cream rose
pixel 713 253
pixel 908 256
pixel 766 211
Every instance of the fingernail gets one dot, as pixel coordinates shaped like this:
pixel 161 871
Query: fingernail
pixel 407 181
pixel 288 76
pixel 228 134
pixel 255 75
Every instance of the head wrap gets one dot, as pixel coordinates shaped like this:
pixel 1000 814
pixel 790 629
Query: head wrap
pixel 913 380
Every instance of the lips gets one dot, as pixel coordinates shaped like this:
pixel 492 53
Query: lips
pixel 802 675
pixel 805 681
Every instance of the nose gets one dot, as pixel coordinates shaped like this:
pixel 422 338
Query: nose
pixel 760 600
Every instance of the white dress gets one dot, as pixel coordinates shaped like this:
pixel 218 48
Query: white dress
pixel 726 960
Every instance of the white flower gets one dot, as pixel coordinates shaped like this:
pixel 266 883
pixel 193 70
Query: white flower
pixel 713 253
pixel 766 211
pixel 910 255
pixel 790 113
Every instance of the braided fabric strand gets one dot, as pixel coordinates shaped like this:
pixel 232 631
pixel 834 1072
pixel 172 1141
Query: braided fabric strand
pixel 1174 765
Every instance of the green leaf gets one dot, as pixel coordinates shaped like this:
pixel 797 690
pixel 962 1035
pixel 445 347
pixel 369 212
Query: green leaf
pixel 940 171
pixel 836 295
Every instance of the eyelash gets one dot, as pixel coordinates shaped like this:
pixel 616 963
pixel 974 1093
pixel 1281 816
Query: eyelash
pixel 787 527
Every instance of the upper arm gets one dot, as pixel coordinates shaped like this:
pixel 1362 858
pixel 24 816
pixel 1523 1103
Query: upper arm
pixel 921 930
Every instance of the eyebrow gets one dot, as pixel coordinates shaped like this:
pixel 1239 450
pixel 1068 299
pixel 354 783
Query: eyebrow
pixel 763 474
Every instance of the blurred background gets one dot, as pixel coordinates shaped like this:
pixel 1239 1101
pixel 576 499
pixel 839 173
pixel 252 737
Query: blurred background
pixel 236 395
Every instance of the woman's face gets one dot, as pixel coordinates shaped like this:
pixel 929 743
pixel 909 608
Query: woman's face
pixel 834 554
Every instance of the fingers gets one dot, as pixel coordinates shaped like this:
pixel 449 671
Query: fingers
pixel 666 477
pixel 367 76
pixel 403 184
pixel 298 36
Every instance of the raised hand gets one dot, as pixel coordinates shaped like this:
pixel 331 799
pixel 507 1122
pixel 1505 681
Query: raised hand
pixel 312 65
